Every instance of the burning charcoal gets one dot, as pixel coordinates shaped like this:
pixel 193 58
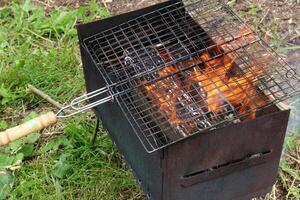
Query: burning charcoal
pixel 142 60
pixel 178 50
pixel 192 112
pixel 169 98
pixel 236 92
pixel 166 95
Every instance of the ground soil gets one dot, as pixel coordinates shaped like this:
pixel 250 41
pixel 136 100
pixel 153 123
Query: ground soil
pixel 284 13
pixel 122 6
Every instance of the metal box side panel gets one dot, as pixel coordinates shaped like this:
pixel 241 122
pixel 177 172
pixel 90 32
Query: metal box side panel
pixel 225 163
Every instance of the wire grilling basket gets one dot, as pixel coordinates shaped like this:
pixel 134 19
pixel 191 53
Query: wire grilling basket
pixel 186 68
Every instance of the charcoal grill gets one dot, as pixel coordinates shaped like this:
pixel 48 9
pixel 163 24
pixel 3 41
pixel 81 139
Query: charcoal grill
pixel 188 95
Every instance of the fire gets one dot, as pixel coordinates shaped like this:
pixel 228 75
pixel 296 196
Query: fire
pixel 164 94
pixel 239 90
pixel 221 82
pixel 164 97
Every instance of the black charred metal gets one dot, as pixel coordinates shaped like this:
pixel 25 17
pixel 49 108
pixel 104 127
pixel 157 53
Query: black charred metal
pixel 235 162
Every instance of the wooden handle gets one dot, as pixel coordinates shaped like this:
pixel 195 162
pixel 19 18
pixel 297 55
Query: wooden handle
pixel 27 128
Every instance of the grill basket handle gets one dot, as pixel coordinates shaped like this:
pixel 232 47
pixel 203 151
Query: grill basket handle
pixel 36 124
pixel 103 95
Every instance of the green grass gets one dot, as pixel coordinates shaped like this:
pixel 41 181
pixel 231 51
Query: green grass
pixel 68 167
pixel 254 14
pixel 41 49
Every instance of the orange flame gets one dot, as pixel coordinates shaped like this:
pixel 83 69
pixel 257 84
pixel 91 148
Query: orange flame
pixel 164 95
pixel 239 90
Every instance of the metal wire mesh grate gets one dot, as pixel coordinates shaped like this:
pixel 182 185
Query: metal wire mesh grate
pixel 187 68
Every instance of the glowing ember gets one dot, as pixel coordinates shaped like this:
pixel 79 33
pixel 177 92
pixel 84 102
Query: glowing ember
pixel 170 98
pixel 164 95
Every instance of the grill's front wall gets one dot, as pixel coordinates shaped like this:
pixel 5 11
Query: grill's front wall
pixel 243 157
pixel 227 163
